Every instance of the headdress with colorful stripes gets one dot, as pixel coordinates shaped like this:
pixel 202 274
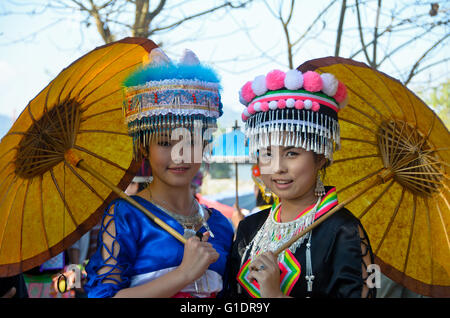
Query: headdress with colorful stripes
pixel 164 95
pixel 293 109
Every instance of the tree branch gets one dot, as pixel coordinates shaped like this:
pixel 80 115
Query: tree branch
pixel 178 23
pixel 390 28
pixel 406 43
pixel 339 31
pixel 154 13
pixel 313 23
pixel 375 35
pixel 285 25
pixel 361 35
pixel 413 72
pixel 102 28
pixel 140 13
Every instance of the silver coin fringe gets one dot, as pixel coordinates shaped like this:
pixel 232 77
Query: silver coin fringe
pixel 273 235
pixel 152 129
pixel 316 131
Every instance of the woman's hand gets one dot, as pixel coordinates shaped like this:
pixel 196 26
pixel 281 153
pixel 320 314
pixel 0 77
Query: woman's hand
pixel 198 255
pixel 264 269
pixel 10 293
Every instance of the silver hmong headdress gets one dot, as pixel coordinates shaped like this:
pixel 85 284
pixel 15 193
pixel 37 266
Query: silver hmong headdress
pixel 293 109
pixel 164 95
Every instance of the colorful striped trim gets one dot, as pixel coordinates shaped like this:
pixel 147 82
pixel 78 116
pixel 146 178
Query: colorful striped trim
pixel 328 201
pixel 289 266
pixel 290 273
pixel 142 90
pixel 321 99
pixel 147 110
pixel 252 287
pixel 173 83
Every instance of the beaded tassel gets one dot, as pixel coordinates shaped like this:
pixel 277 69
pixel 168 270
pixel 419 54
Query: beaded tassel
pixel 309 275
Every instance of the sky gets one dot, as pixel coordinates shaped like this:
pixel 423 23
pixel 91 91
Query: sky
pixel 26 67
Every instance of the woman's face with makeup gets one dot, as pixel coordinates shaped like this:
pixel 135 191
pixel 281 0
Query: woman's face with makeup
pixel 169 165
pixel 289 172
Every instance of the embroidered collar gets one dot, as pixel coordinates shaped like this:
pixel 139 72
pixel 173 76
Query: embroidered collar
pixel 328 201
pixel 274 233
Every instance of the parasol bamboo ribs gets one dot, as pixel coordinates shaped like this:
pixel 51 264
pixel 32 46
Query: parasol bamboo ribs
pixel 81 164
pixel 419 178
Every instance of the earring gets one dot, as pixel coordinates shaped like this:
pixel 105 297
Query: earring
pixel 267 195
pixel 320 189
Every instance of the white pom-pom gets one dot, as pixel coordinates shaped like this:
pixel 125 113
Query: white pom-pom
pixel 293 80
pixel 308 104
pixel 158 57
pixel 273 105
pixel 257 106
pixel 290 103
pixel 242 99
pixel 189 58
pixel 246 113
pixel 259 85
pixel 330 84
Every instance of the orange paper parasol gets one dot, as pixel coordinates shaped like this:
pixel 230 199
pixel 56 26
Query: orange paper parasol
pixel 392 173
pixel 48 197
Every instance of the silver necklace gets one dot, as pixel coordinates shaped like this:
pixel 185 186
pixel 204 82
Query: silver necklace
pixel 188 222
pixel 273 234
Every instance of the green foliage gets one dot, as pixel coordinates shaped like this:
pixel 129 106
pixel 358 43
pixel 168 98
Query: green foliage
pixel 437 99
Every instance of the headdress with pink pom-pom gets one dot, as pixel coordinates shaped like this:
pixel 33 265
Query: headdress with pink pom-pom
pixel 293 109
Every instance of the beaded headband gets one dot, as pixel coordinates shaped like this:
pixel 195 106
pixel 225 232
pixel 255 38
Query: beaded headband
pixel 293 109
pixel 163 96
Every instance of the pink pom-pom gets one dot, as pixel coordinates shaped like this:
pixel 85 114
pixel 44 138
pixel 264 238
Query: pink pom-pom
pixel 341 93
pixel 281 104
pixel 275 80
pixel 299 104
pixel 244 118
pixel 264 106
pixel 247 92
pixel 343 103
pixel 315 106
pixel 251 109
pixel 312 81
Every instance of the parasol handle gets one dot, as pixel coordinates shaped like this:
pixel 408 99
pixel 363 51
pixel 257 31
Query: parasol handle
pixel 237 184
pixel 81 164
pixel 382 177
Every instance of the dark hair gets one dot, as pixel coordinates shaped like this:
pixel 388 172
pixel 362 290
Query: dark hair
pixel 319 157
pixel 142 186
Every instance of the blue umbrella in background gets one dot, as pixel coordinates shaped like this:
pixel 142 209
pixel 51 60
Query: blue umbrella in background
pixel 231 148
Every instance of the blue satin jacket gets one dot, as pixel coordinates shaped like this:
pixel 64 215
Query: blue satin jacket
pixel 146 251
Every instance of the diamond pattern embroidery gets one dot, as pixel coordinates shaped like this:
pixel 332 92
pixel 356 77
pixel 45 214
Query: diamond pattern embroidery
pixel 290 273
